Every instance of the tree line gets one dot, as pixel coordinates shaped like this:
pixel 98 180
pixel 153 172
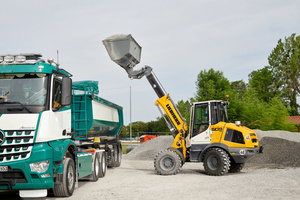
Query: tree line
pixel 265 102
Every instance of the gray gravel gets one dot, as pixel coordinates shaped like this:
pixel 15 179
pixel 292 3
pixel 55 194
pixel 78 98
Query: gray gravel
pixel 136 178
pixel 149 149
pixel 281 149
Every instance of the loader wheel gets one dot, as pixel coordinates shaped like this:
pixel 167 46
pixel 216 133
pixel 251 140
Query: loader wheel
pixel 236 167
pixel 167 162
pixel 216 162
pixel 66 188
pixel 103 165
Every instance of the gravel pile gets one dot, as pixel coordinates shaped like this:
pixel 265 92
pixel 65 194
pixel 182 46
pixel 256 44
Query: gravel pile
pixel 149 149
pixel 281 149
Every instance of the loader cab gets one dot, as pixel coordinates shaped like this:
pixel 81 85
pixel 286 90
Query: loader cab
pixel 203 115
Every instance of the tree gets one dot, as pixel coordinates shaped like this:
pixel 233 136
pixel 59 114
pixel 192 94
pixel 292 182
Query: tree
pixel 285 63
pixel 211 85
pixel 158 126
pixel 264 83
pixel 240 87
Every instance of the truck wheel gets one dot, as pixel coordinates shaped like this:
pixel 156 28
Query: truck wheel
pixel 236 167
pixel 167 162
pixel 113 158
pixel 96 169
pixel 216 162
pixel 118 157
pixel 103 165
pixel 66 188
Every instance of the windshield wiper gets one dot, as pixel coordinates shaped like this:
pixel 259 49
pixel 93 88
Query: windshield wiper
pixel 16 102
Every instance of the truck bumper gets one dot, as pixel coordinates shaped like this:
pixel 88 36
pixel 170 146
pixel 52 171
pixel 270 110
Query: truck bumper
pixel 241 155
pixel 19 176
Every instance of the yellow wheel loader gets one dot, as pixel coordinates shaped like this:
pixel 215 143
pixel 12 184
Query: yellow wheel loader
pixel 222 147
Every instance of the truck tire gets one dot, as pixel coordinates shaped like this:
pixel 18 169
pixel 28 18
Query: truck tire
pixel 216 162
pixel 119 155
pixel 66 188
pixel 113 157
pixel 167 162
pixel 236 167
pixel 103 165
pixel 96 168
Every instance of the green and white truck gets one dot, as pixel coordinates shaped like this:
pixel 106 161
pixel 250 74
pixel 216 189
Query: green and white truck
pixel 53 131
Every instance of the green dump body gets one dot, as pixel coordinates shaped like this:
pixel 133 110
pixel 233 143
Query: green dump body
pixel 93 116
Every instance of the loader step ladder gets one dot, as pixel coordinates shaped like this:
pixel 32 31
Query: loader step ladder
pixel 79 114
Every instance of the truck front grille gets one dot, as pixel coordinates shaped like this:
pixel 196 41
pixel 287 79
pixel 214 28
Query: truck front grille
pixel 17 145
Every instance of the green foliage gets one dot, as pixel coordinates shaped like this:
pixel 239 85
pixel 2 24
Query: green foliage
pixel 265 116
pixel 264 83
pixel 285 65
pixel 183 107
pixel 157 126
pixel 211 85
pixel 240 87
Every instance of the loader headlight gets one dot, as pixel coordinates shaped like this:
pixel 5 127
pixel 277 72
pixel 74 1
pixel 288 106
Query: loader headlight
pixel 39 166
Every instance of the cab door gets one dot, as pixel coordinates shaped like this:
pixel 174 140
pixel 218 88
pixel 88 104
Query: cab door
pixel 200 123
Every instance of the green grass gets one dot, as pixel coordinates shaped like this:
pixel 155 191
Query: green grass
pixel 124 149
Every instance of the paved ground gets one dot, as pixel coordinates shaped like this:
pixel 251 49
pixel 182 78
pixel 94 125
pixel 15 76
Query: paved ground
pixel 137 180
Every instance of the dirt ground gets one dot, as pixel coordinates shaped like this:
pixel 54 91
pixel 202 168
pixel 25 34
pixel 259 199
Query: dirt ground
pixel 138 180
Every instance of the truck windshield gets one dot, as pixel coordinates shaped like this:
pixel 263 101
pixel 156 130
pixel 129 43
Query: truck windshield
pixel 23 90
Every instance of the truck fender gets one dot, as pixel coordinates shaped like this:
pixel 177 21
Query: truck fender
pixel 179 153
pixel 214 145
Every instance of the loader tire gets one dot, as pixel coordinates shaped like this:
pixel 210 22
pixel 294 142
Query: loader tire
pixel 167 162
pixel 216 162
pixel 66 188
pixel 236 167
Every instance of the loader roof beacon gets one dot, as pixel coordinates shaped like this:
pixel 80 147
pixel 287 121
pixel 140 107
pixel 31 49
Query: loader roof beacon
pixel 52 131
pixel 222 147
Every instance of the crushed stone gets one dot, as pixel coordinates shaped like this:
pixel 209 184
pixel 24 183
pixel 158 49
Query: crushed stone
pixel 281 149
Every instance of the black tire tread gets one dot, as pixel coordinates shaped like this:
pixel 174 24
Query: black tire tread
pixel 169 153
pixel 224 158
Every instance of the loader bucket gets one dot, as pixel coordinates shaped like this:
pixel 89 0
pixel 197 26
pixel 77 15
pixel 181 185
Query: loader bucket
pixel 123 50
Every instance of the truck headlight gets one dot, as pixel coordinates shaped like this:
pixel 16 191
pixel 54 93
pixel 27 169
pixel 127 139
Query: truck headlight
pixel 39 166
pixel 20 58
pixel 9 59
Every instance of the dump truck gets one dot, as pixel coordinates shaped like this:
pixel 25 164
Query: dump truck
pixel 53 131
pixel 222 146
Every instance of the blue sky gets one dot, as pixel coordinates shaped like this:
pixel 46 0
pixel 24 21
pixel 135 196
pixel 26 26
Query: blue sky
pixel 179 39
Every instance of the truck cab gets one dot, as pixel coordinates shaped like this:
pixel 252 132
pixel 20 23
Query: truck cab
pixel 35 122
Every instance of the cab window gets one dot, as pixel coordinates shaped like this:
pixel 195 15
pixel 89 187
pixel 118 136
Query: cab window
pixel 57 88
pixel 201 119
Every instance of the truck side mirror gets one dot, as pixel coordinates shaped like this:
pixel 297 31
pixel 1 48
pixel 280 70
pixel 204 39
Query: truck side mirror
pixel 66 98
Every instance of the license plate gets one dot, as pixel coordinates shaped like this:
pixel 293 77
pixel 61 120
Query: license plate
pixel 3 168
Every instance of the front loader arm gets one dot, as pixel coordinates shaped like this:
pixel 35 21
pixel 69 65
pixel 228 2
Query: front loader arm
pixel 176 123
pixel 126 52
